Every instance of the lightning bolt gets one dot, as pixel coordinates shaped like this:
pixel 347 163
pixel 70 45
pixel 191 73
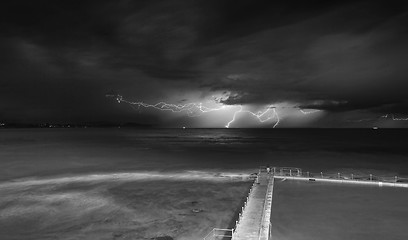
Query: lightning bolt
pixel 394 118
pixel 260 115
pixel 387 116
pixel 196 109
pixel 309 112
pixel 190 108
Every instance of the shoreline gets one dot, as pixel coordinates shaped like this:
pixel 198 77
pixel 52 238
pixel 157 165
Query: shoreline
pixel 129 177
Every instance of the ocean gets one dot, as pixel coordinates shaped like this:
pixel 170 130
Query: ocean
pixel 165 183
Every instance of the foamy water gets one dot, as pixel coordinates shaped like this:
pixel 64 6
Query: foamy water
pixel 130 176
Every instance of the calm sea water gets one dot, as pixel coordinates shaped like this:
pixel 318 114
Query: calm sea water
pixel 319 211
pixel 143 184
pixel 40 152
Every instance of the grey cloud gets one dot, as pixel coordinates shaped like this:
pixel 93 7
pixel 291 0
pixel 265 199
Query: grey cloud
pixel 349 55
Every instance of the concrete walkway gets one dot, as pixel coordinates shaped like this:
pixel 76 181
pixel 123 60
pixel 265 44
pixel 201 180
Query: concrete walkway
pixel 252 223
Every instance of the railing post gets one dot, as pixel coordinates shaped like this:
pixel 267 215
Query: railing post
pixel 321 174
pixel 371 177
pixel 290 172
pixel 352 177
pixel 396 178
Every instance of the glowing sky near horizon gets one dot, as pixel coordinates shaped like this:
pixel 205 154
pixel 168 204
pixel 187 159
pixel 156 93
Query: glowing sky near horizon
pixel 228 116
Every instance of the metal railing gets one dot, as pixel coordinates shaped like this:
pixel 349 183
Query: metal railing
pixel 256 181
pixel 219 233
pixel 297 172
pixel 268 201
pixel 215 232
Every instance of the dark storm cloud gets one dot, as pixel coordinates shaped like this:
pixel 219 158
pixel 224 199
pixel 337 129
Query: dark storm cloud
pixel 354 54
pixel 60 57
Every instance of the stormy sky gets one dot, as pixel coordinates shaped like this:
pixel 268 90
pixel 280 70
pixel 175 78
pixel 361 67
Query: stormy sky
pixel 348 59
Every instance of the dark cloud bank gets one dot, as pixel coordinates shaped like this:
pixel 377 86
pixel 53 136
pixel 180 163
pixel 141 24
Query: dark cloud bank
pixel 59 58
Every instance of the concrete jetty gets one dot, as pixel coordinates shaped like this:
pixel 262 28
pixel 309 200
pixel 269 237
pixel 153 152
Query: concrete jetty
pixel 254 223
